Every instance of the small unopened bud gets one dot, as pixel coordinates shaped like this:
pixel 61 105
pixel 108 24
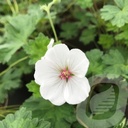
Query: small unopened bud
pixel 50 44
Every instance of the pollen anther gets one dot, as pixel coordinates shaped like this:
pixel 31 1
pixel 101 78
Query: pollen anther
pixel 65 74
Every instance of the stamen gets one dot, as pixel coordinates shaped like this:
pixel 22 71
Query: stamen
pixel 65 74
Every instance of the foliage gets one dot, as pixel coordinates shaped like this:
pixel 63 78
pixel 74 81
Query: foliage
pixel 117 14
pixel 16 35
pixel 70 32
pixel 8 82
pixel 96 66
pixel 88 35
pixel 84 3
pixel 23 119
pixel 106 40
pixel 116 63
pixel 34 88
pixel 63 115
pixel 39 45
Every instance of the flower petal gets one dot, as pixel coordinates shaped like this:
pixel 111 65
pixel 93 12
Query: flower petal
pixel 77 90
pixel 78 63
pixel 45 70
pixel 53 90
pixel 58 54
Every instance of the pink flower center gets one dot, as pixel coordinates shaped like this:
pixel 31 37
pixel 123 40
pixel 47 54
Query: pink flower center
pixel 65 74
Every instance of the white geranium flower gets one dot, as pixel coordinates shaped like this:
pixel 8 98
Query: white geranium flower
pixel 61 75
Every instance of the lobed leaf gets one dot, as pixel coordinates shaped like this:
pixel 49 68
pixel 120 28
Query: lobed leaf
pixel 23 119
pixel 106 40
pixel 94 57
pixel 117 15
pixel 84 3
pixel 115 62
pixel 62 116
pixel 34 88
pixel 17 30
pixel 37 48
pixel 69 30
pixel 88 36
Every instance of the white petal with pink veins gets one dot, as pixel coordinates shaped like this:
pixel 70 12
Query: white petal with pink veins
pixel 77 90
pixel 78 62
pixel 58 54
pixel 44 70
pixel 53 90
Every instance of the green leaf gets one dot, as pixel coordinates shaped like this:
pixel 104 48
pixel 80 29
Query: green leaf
pixel 113 71
pixel 106 40
pixel 62 116
pixel 88 35
pixel 23 119
pixel 109 11
pixel 94 57
pixel 114 60
pixel 84 19
pixel 10 80
pixel 121 3
pixel 112 65
pixel 17 30
pixel 113 57
pixel 117 15
pixel 69 30
pixel 23 66
pixel 84 3
pixel 8 49
pixel 34 88
pixel 110 28
pixel 35 11
pixel 122 35
pixel 37 48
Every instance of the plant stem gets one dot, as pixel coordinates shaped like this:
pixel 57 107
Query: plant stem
pixel 53 28
pixel 16 6
pixel 11 6
pixel 13 64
